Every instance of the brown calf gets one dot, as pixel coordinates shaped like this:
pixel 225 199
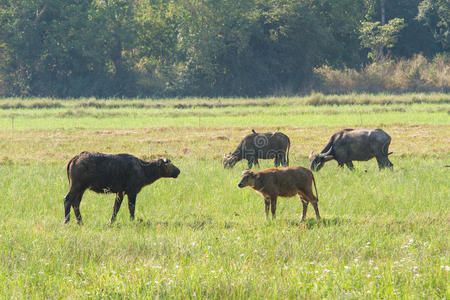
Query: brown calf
pixel 283 182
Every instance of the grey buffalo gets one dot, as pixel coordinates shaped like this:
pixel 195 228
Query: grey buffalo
pixel 348 145
pixel 269 145
pixel 112 173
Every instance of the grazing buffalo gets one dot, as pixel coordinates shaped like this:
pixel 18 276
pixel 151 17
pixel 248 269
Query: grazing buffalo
pixel 112 173
pixel 354 144
pixel 260 145
pixel 283 182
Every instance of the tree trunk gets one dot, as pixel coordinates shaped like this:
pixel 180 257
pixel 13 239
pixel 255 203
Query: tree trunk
pixel 383 14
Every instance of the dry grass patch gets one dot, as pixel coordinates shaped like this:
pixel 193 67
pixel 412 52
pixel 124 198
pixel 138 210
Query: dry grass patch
pixel 200 143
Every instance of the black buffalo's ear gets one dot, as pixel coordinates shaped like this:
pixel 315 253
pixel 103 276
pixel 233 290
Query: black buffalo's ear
pixel 160 162
pixel 311 156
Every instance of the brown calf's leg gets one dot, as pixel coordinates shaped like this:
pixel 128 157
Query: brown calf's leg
pixel 305 208
pixel 117 203
pixel 267 206
pixel 273 206
pixel 316 209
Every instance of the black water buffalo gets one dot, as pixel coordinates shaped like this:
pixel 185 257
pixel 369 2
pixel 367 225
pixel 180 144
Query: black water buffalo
pixel 354 144
pixel 112 173
pixel 283 182
pixel 260 145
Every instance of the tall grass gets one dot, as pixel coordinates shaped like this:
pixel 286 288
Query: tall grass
pixel 186 104
pixel 405 75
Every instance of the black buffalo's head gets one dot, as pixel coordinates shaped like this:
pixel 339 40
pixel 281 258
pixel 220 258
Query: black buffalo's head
pixel 229 160
pixel 167 168
pixel 248 178
pixel 318 160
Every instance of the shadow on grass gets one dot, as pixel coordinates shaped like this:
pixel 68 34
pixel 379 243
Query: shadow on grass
pixel 205 222
pixel 324 222
pixel 194 224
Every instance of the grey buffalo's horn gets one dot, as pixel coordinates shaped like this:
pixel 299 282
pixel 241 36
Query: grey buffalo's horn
pixel 327 153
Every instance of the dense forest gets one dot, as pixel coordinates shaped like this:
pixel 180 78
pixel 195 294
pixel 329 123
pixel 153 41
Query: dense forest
pixel 159 48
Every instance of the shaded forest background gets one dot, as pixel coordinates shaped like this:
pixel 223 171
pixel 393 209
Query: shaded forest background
pixel 157 48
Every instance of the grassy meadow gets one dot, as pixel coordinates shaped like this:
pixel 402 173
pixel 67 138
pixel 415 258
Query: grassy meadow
pixel 384 234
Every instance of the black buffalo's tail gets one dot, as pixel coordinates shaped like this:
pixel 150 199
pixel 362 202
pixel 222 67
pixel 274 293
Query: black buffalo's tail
pixel 68 167
pixel 287 151
pixel 315 188
pixel 385 148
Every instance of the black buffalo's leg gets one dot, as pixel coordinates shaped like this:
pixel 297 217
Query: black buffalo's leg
pixel 380 162
pixel 250 162
pixel 349 165
pixel 383 161
pixel 305 208
pixel 131 205
pixel 76 207
pixel 276 162
pixel 273 206
pixel 283 160
pixel 389 164
pixel 267 206
pixel 67 204
pixel 117 203
pixel 255 160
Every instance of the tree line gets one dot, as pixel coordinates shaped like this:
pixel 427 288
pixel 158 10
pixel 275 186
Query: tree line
pixel 159 48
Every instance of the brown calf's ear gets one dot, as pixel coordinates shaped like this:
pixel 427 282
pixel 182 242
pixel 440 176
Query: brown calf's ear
pixel 247 172
pixel 252 174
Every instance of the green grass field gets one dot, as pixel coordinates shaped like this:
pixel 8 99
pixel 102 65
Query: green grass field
pixel 384 234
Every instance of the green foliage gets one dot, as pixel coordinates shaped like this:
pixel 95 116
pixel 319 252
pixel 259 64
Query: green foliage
pixel 107 48
pixel 435 14
pixel 378 37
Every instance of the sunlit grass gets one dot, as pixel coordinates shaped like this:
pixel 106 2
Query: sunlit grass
pixel 384 234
